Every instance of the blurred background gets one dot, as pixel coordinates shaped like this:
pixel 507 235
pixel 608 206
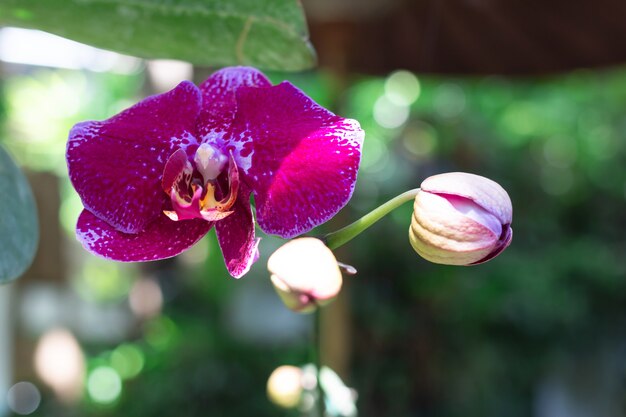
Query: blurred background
pixel 537 105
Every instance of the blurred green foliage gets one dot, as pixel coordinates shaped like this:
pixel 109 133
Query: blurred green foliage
pixel 477 341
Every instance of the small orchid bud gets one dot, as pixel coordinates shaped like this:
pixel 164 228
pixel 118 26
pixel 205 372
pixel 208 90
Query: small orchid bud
pixel 460 219
pixel 305 274
pixel 284 386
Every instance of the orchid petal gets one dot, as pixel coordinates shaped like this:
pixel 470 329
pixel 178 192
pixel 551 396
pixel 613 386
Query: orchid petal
pixel 116 164
pixel 502 244
pixel 162 239
pixel 236 236
pixel 300 160
pixel 475 212
pixel 219 99
pixel 485 192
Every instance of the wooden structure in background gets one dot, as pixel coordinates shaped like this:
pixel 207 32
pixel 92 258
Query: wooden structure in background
pixel 49 264
pixel 472 37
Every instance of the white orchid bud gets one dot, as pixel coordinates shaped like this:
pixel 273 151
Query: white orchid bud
pixel 460 219
pixel 305 274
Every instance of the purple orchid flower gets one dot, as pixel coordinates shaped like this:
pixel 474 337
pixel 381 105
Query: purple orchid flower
pixel 157 177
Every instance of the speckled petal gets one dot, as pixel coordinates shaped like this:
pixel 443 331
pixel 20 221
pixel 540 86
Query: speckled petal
pixel 162 239
pixel 300 160
pixel 219 99
pixel 236 236
pixel 116 164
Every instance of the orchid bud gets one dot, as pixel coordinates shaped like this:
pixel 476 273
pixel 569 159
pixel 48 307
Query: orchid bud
pixel 284 386
pixel 305 274
pixel 460 219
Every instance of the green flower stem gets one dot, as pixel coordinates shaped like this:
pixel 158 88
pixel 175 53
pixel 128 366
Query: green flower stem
pixel 317 343
pixel 333 241
pixel 340 237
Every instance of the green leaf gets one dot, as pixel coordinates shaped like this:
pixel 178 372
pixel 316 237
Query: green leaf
pixel 19 229
pixel 270 34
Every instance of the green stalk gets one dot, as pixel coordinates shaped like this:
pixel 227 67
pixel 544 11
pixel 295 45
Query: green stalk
pixel 342 236
pixel 321 406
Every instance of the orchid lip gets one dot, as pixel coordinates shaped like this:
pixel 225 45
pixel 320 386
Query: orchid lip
pixel 193 195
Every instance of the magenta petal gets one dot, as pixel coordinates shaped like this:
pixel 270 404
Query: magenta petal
pixel 162 239
pixel 300 159
pixel 236 236
pixel 219 99
pixel 116 164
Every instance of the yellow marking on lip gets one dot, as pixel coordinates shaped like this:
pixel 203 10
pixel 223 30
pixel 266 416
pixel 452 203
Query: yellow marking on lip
pixel 210 202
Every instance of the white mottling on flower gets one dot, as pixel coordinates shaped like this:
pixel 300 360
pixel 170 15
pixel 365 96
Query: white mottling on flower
pixel 185 139
pixel 90 237
pixel 244 162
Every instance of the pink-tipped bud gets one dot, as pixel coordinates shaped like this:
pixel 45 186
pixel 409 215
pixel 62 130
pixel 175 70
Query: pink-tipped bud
pixel 305 274
pixel 460 219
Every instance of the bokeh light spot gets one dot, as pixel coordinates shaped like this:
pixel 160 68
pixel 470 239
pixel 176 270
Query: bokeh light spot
pixel 59 362
pixel 402 88
pixel 419 139
pixel 104 385
pixel 284 386
pixel 128 360
pixel 101 280
pixel 389 114
pixel 160 332
pixel 375 156
pixel 23 398
pixel 146 298
pixel 601 142
pixel 518 120
pixel 449 100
